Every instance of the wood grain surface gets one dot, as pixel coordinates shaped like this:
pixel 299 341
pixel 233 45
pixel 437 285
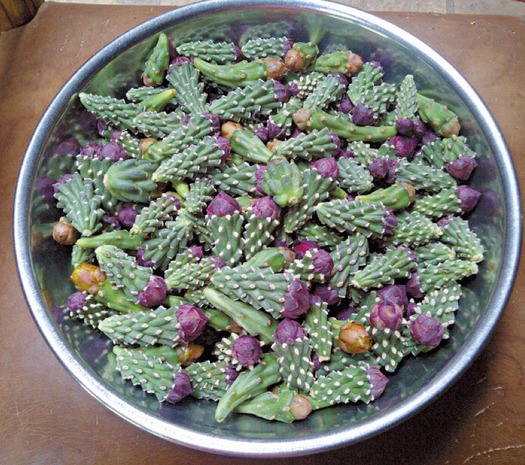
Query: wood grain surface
pixel 47 418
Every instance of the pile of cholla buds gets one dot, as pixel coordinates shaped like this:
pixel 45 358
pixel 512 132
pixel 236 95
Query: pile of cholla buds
pixel 268 226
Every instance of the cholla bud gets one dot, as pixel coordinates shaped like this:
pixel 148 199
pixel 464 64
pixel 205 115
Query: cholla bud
pixel 363 116
pixel 265 207
pixel 223 205
pixel 354 338
pixel 64 232
pixel 87 277
pixel 246 350
pixel 468 198
pixel 192 321
pixel 300 247
pixel 113 152
pixel 377 379
pixel 288 331
pixel 296 300
pixel 127 215
pixel 327 168
pixel 322 262
pixel 461 168
pixel 180 389
pixel 427 330
pixel 395 293
pixel 386 315
pixel 155 292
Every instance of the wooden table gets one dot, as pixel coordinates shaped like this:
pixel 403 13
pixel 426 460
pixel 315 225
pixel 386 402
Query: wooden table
pixel 46 418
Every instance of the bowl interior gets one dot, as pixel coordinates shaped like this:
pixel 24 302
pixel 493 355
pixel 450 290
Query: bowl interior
pixel 87 354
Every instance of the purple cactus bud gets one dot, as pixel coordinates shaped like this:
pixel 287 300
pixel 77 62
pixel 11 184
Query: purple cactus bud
pixel 116 135
pixel 279 243
pixel 155 292
pixel 44 187
pixel 391 174
pixel 445 220
pixel 127 215
pixel 225 145
pixel 296 300
pixel 192 321
pixel 223 205
pixel 215 121
pixel 378 168
pixel 410 309
pixel 404 147
pixel 394 293
pixel 420 128
pixel 76 301
pixel 288 44
pixel 377 64
pixel 68 147
pixel 231 374
pixel 281 91
pixel 175 200
pixel 218 262
pixel 345 105
pixel 293 88
pixel 246 350
pixel 113 152
pixel 342 78
pixel 275 131
pixel 461 168
pixel 413 287
pixel 238 53
pixel 363 116
pixel 468 198
pixel 180 388
pixel 405 127
pixel 141 260
pixel 327 168
pixel 386 315
pixel 389 223
pixel 288 331
pixel 265 207
pixel 259 177
pixel 315 300
pixel 262 133
pixel 196 251
pixel 384 57
pixel 300 247
pixel 429 137
pixel 62 180
pixel 181 60
pixel 316 362
pixel 91 150
pixel 378 381
pixel 322 262
pixel 295 133
pixel 112 222
pixel 426 330
pixel 346 313
pixel 102 126
pixel 327 294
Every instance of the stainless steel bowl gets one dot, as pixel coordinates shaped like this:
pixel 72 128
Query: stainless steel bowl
pixel 44 267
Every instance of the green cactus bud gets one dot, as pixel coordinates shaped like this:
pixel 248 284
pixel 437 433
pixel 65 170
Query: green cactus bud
pixel 444 203
pixel 258 48
pixel 130 180
pixel 348 216
pixel 444 121
pixel 246 144
pixel 319 330
pixel 236 179
pixel 157 62
pixel 354 177
pixel 423 177
pixel 275 258
pixel 258 231
pixel 457 234
pixel 77 198
pixel 243 73
pixel 122 270
pixel 259 287
pixel 284 182
pixel 258 98
pixel 80 255
pixel 316 144
pixel 226 235
pixel 443 151
pixel 320 234
pixel 195 161
pixel 362 153
pixel 406 99
pixel 157 124
pixel 281 404
pixel 149 328
pixel 153 216
pixel 328 90
pixel 255 322
pixel 184 78
pixel 189 276
pixel 139 94
pixel 199 196
pixel 153 368
pixel 247 385
pixel 114 112
pixel 344 61
pixel 413 230
pixel 209 50
pixel 209 380
pixel 434 252
pixel 341 387
pixel 395 197
pixel 316 189
pixel 385 268
pixel 349 256
pixel 339 123
pixel 438 275
pixel 295 364
pixel 119 238
pixel 159 101
pixel 95 169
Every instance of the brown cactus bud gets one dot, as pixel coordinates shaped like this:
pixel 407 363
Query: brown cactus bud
pixel 64 232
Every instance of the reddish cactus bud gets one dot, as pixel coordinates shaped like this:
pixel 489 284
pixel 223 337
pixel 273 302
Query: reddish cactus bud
pixel 155 292
pixel 296 300
pixel 377 379
pixel 426 330
pixel 223 205
pixel 192 321
pixel 327 168
pixel 468 198
pixel 246 350
pixel 461 168
pixel 288 331
pixel 265 207
pixel 386 315
pixel 127 215
pixel 354 338
pixel 64 232
pixel 180 389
